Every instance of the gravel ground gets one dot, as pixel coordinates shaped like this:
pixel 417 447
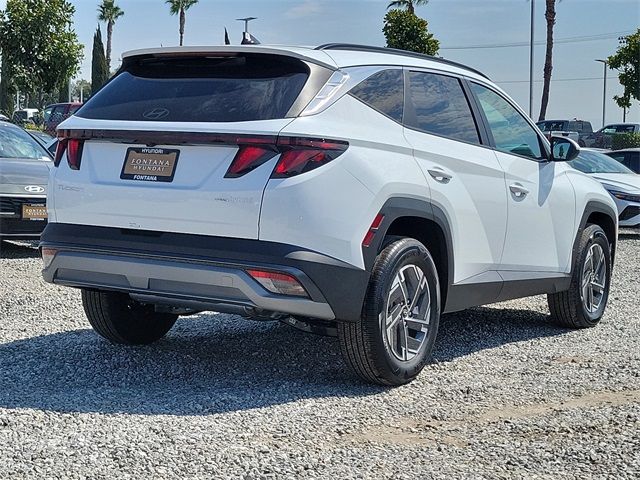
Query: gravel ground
pixel 509 395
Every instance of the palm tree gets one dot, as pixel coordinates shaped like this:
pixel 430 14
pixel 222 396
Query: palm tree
pixel 109 12
pixel 408 4
pixel 179 7
pixel 550 16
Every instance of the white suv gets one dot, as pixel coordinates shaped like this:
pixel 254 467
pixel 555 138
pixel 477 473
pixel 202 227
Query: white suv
pixel 343 189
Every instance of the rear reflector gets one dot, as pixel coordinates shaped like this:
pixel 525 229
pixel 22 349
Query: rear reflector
pixel 280 283
pixel 371 233
pixel 48 255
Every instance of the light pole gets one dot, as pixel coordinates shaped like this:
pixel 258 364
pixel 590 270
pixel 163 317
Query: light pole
pixel 604 89
pixel 531 61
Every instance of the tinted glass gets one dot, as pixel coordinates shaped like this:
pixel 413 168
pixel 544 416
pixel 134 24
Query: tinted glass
pixel 16 143
pixel 551 126
pixel 219 89
pixel 511 132
pixel 383 91
pixel 439 105
pixel 594 162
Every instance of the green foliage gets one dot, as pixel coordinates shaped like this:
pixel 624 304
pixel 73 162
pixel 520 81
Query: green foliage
pixel 7 90
pixel 625 140
pixel 99 68
pixel 108 11
pixel 39 43
pixel 178 6
pixel 406 31
pixel 627 61
pixel 409 5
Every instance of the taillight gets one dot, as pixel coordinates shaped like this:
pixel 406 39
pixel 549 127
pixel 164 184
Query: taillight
pixel 74 153
pixel 297 155
pixel 72 147
pixel 250 157
pixel 280 283
pixel 300 155
pixel 60 149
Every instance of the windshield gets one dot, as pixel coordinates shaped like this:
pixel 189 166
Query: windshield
pixel 594 162
pixel 16 143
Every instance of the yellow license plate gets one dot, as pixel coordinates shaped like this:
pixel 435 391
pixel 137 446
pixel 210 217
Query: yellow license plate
pixel 34 212
pixel 150 164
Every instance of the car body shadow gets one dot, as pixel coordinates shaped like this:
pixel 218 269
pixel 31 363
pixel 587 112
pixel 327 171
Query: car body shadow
pixel 216 363
pixel 11 250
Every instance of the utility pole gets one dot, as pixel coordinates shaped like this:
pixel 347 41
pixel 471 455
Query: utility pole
pixel 531 60
pixel 604 90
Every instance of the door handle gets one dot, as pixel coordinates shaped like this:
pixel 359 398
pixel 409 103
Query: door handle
pixel 518 190
pixel 440 175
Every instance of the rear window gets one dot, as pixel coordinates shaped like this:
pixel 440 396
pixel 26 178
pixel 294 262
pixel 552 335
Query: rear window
pixel 211 89
pixel 383 91
pixel 551 126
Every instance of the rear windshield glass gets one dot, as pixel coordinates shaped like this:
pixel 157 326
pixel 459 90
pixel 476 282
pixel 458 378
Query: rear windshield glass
pixel 551 126
pixel 219 89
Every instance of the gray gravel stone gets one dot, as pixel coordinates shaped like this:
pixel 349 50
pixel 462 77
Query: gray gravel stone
pixel 509 395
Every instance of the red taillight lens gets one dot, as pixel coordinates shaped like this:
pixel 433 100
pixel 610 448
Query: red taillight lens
pixel 300 155
pixel 74 153
pixel 371 233
pixel 60 149
pixel 280 283
pixel 249 157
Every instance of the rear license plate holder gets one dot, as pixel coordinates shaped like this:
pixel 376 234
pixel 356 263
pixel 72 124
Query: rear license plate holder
pixel 150 164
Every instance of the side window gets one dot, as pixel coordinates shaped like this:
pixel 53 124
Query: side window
pixel 438 105
pixel 511 132
pixel 573 127
pixel 384 92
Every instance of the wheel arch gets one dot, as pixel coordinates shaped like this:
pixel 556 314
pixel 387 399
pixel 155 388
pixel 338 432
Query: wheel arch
pixel 423 221
pixel 601 214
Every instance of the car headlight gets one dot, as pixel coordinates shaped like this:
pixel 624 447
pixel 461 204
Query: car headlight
pixel 628 197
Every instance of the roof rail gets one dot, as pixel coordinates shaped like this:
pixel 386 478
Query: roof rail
pixel 395 51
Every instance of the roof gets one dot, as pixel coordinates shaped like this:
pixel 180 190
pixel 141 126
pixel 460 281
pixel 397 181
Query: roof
pixel 334 55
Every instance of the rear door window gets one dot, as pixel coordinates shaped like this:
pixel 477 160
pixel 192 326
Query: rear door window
pixel 384 92
pixel 437 104
pixel 213 89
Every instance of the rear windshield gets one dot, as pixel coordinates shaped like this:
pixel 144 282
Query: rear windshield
pixel 551 126
pixel 212 89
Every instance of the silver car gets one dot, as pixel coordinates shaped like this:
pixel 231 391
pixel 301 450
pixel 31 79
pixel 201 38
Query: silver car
pixel 622 183
pixel 24 174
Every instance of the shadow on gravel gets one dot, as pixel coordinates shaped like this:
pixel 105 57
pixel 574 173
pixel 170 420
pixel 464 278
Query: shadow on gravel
pixel 217 363
pixel 12 250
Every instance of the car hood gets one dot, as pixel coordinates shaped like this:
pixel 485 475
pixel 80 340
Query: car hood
pixel 20 176
pixel 626 182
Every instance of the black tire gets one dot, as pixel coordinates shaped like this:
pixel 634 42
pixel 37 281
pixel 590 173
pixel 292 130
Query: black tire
pixel 568 308
pixel 365 345
pixel 119 319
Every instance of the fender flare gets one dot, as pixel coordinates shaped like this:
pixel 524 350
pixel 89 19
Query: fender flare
pixel 593 206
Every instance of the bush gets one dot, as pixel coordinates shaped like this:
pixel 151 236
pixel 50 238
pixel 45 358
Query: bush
pixel 625 140
pixel 406 31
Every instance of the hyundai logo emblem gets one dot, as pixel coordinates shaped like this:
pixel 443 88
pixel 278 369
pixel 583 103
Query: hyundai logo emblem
pixel 34 189
pixel 156 114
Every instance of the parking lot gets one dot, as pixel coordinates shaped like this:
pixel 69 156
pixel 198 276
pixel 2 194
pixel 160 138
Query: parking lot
pixel 508 396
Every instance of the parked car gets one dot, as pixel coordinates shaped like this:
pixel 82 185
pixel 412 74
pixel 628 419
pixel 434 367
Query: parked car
pixel 629 157
pixel 622 183
pixel 24 173
pixel 603 138
pixel 348 190
pixel 42 138
pixel 56 113
pixel 574 129
pixel 25 115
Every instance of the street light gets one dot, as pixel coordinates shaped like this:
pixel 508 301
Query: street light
pixel 604 89
pixel 531 61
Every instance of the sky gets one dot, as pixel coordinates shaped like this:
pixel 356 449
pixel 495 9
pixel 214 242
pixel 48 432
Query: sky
pixel 576 89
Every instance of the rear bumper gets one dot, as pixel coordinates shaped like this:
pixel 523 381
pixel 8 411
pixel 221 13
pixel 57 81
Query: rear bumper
pixel 204 273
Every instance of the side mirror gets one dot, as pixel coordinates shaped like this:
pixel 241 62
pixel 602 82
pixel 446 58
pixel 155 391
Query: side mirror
pixel 563 149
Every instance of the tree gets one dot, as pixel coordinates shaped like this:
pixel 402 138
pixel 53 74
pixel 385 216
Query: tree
pixel 406 31
pixel 410 5
pixel 109 12
pixel 180 7
pixel 7 90
pixel 39 44
pixel 99 68
pixel 627 61
pixel 550 16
